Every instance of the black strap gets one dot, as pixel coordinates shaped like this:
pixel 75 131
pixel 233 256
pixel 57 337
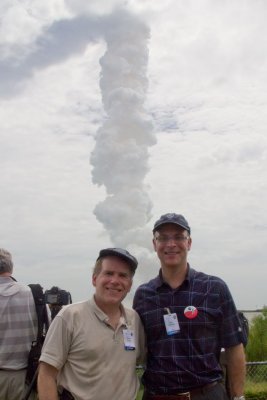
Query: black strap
pixel 39 300
pixel 35 351
pixel 66 395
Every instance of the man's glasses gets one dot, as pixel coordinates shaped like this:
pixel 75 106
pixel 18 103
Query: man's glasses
pixel 175 238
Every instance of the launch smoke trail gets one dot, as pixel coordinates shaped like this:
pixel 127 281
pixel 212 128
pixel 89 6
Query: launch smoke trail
pixel 120 157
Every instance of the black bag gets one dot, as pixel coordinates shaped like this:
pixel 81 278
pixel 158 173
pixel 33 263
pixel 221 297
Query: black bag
pixel 244 326
pixel 33 362
pixel 43 324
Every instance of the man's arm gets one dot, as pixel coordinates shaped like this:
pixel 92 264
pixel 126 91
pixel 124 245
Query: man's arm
pixel 236 369
pixel 47 382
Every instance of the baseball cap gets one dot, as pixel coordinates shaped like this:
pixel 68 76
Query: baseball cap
pixel 172 218
pixel 121 253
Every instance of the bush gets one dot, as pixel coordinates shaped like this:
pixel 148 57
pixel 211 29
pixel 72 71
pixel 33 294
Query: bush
pixel 255 394
pixel 256 349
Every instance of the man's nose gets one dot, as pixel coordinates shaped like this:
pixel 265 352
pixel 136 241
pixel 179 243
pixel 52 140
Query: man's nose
pixel 115 278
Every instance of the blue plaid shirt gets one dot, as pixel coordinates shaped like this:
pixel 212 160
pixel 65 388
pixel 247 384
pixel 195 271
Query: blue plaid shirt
pixel 189 358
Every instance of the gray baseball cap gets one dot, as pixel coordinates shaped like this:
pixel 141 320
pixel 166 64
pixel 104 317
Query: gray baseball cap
pixel 121 253
pixel 172 218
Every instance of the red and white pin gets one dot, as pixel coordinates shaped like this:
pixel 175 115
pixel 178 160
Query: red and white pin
pixel 190 312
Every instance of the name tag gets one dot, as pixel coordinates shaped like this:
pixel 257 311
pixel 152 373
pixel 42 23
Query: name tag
pixel 171 324
pixel 129 339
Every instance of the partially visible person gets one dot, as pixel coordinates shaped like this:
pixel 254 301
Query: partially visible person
pixel 18 328
pixel 188 317
pixel 92 347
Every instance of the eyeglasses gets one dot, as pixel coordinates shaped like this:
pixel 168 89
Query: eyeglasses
pixel 175 238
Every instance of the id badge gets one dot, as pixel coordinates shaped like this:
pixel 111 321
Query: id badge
pixel 129 339
pixel 171 324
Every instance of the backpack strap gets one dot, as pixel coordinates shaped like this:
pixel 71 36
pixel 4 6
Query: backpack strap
pixel 245 327
pixel 41 310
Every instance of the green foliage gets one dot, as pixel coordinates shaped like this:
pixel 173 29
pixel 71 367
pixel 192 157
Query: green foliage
pixel 257 396
pixel 139 395
pixel 255 390
pixel 256 349
pixel 140 372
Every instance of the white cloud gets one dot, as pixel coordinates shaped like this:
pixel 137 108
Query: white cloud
pixel 23 21
pixel 93 6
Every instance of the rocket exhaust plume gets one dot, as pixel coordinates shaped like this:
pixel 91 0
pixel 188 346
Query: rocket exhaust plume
pixel 120 157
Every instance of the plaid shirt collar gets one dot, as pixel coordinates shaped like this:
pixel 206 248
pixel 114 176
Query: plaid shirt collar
pixel 159 281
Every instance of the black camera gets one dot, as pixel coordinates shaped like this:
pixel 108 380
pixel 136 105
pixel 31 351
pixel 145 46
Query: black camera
pixel 58 297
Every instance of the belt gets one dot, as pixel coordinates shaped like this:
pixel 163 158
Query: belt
pixel 12 370
pixel 181 396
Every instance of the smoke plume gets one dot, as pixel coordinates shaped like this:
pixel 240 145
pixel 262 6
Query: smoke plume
pixel 120 157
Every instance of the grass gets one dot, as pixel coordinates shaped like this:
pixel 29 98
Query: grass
pixel 256 390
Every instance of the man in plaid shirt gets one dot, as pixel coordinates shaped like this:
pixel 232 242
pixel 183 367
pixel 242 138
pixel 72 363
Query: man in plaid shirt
pixel 188 317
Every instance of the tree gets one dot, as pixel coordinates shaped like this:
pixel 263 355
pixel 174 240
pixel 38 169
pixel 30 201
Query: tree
pixel 256 349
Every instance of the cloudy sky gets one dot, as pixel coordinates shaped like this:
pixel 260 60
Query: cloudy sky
pixel 115 112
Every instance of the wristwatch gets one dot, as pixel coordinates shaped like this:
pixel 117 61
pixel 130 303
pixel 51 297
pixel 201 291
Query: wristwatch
pixel 239 398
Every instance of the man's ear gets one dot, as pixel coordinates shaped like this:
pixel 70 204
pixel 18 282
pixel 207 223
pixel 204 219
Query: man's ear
pixel 154 243
pixel 130 286
pixel 189 244
pixel 94 279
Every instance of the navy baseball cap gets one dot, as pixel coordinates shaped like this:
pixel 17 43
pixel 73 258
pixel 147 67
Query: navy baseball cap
pixel 172 218
pixel 121 253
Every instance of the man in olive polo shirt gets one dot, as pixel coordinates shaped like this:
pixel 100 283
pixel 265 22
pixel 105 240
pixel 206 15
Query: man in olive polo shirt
pixel 92 347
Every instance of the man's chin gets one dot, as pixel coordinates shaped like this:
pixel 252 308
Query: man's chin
pixel 171 259
pixel 116 298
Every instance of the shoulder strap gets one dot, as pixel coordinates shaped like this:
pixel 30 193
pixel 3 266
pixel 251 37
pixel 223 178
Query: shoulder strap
pixel 41 310
pixel 245 327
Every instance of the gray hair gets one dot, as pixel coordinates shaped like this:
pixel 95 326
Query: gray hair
pixel 6 263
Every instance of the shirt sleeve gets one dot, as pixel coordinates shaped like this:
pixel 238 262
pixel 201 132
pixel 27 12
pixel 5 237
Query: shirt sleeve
pixel 230 329
pixel 57 343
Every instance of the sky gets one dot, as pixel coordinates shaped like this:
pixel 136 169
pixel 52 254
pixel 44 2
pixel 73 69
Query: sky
pixel 116 112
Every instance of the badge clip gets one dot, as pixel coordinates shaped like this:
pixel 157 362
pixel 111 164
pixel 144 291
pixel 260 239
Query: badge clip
pixel 171 322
